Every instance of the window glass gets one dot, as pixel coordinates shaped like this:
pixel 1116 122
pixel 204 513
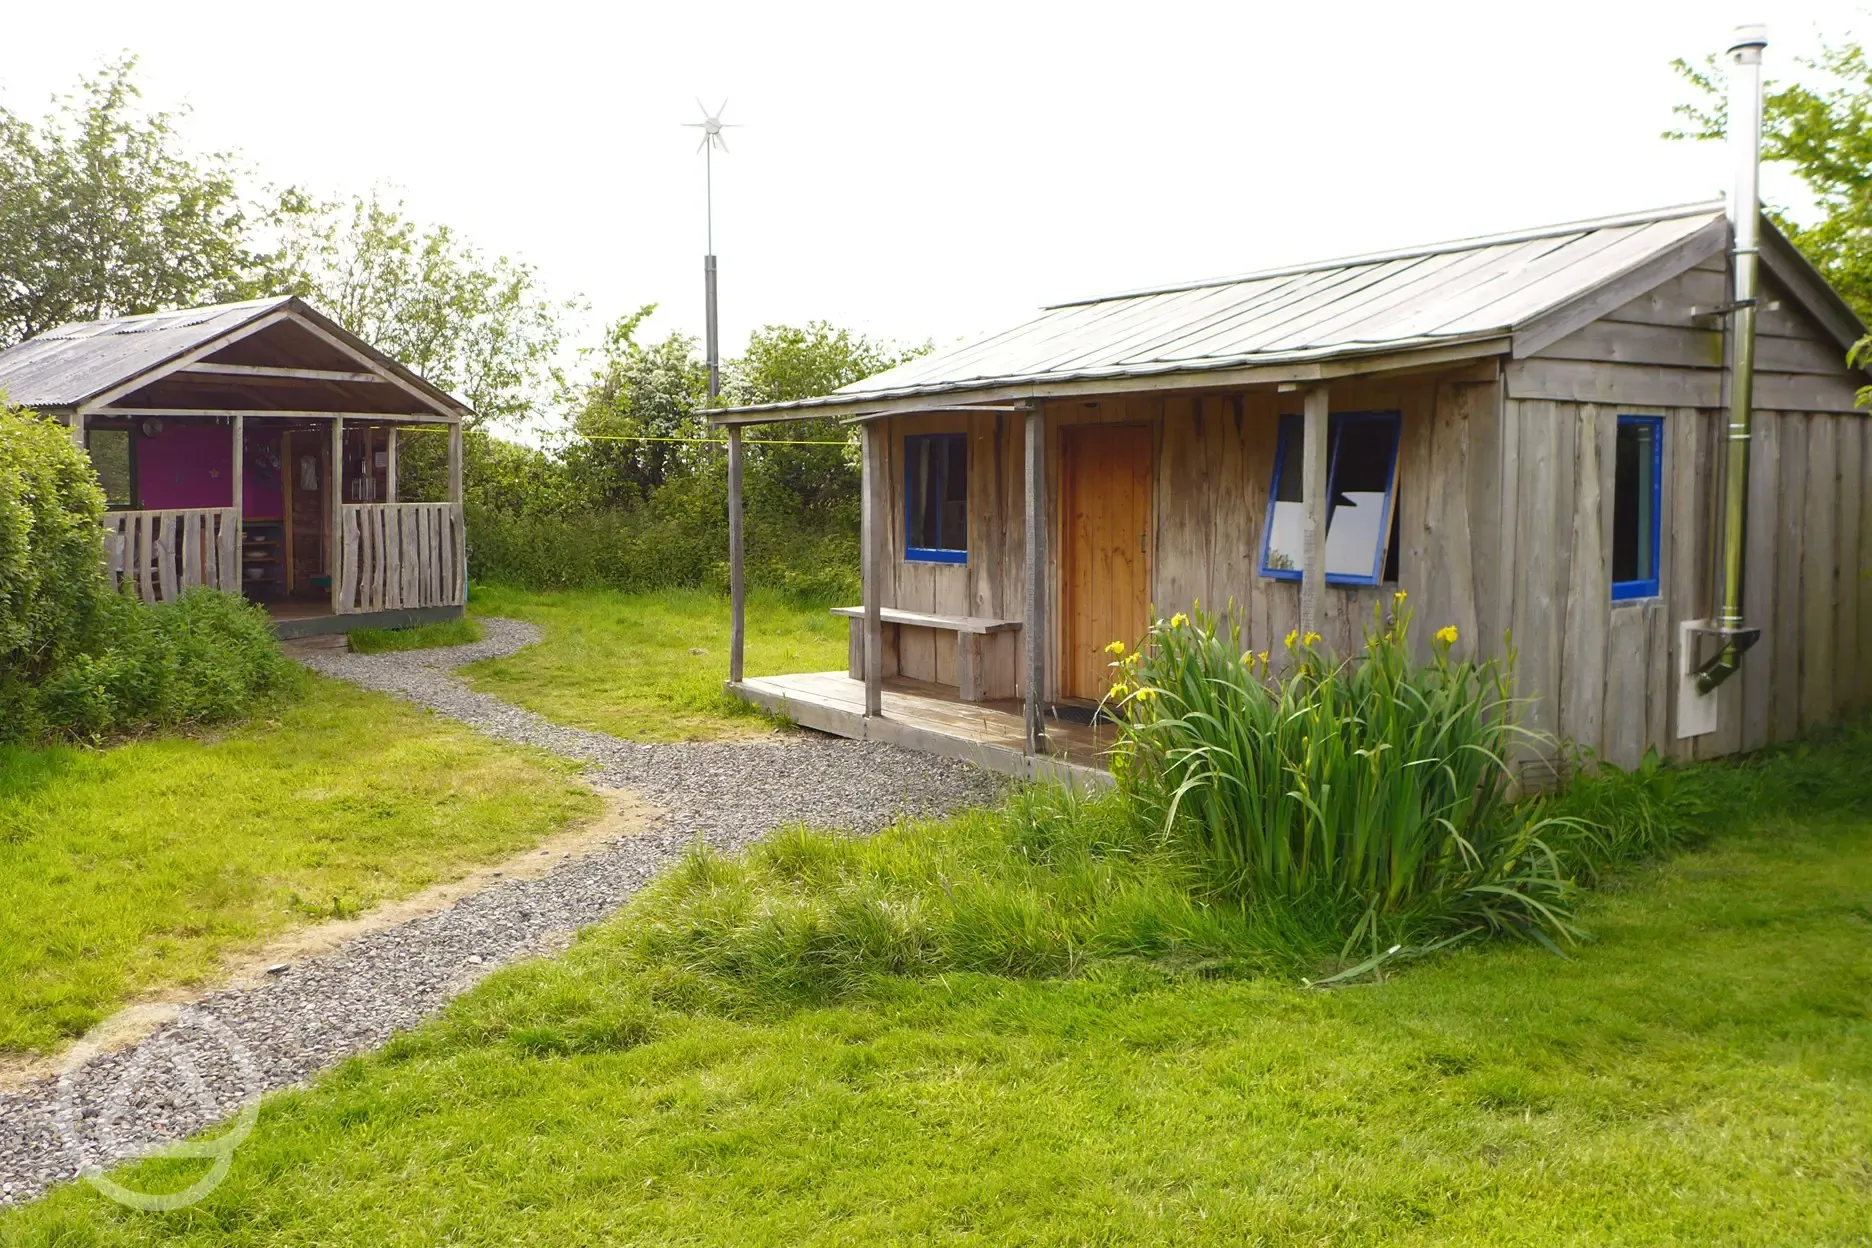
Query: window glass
pixel 953 534
pixel 1358 502
pixel 110 457
pixel 1361 470
pixel 1635 506
pixel 1285 548
pixel 936 497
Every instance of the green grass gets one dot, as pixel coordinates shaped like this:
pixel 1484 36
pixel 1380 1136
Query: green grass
pixel 441 633
pixel 649 666
pixel 138 867
pixel 1699 1073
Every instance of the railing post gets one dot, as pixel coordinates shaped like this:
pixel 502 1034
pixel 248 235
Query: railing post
pixel 390 467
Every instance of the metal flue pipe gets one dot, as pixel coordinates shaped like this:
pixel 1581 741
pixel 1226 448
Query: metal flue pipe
pixel 1745 112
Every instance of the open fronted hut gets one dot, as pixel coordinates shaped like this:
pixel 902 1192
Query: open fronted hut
pixel 253 447
pixel 1529 433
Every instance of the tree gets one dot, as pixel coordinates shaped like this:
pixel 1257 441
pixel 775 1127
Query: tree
pixel 787 362
pixel 102 215
pixel 1825 133
pixel 625 419
pixel 477 327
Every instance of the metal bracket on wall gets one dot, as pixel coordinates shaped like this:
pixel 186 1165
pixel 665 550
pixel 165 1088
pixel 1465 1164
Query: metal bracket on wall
pixel 1699 677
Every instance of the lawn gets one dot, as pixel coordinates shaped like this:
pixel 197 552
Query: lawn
pixel 1700 1072
pixel 457 632
pixel 649 666
pixel 139 867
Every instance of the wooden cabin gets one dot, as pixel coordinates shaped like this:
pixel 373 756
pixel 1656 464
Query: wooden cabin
pixel 1521 431
pixel 253 447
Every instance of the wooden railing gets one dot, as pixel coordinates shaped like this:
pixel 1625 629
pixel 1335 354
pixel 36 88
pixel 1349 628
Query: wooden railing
pixel 158 554
pixel 402 555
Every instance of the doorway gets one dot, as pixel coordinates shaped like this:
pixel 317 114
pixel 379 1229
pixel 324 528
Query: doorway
pixel 306 468
pixel 1105 521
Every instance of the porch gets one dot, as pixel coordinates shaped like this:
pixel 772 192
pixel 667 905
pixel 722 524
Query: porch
pixel 933 718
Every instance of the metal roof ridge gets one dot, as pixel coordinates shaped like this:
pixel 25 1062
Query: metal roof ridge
pixel 199 312
pixel 1646 217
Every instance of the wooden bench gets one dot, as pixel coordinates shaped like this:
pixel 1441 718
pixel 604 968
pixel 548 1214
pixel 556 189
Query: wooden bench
pixel 985 657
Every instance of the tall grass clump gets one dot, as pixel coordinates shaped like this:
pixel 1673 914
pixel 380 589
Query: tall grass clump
pixel 1373 791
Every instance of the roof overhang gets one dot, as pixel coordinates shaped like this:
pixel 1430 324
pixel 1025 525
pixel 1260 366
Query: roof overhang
pixel 230 389
pixel 1005 393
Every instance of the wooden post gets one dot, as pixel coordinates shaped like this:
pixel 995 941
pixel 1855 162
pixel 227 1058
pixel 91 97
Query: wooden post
pixel 334 562
pixel 232 580
pixel 390 466
pixel 1313 501
pixel 1033 623
pixel 737 580
pixel 77 423
pixel 455 463
pixel 876 540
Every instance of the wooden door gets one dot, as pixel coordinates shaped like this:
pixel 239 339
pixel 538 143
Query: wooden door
pixel 305 463
pixel 1105 520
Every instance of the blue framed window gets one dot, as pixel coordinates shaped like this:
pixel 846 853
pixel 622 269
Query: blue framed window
pixel 936 498
pixel 1361 500
pixel 1637 506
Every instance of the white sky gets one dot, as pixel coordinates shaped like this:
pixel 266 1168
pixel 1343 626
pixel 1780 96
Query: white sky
pixel 934 170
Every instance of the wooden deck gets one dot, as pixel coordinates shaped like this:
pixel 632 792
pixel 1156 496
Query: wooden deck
pixel 931 718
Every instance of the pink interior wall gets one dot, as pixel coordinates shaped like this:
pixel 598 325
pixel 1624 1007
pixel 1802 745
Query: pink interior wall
pixel 192 466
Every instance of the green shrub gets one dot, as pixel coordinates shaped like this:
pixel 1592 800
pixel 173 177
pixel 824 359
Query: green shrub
pixel 204 658
pixel 51 547
pixel 1374 791
pixel 78 660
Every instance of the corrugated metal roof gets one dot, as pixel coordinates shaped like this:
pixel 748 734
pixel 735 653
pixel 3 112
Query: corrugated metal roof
pixel 67 365
pixel 74 363
pixel 1462 291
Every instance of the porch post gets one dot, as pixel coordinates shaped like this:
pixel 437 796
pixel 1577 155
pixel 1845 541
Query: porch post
pixel 877 545
pixel 389 485
pixel 76 424
pixel 876 537
pixel 455 463
pixel 1313 502
pixel 1033 625
pixel 335 564
pixel 737 583
pixel 231 577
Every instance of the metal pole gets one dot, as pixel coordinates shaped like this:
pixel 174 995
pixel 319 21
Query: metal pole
pixel 334 481
pixel 1745 109
pixel 231 580
pixel 737 583
pixel 708 271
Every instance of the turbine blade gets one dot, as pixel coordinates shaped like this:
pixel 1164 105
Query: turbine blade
pixel 702 144
pixel 721 142
pixel 699 104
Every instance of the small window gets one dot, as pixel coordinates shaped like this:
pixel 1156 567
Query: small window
pixel 1361 489
pixel 936 498
pixel 1637 492
pixel 113 458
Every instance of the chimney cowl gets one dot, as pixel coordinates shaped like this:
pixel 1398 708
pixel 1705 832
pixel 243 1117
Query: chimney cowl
pixel 1750 36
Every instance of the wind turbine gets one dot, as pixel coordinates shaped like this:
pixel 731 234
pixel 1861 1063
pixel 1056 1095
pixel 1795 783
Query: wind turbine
pixel 711 127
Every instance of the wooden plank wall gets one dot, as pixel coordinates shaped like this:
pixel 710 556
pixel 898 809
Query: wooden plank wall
pixel 158 554
pixel 399 556
pixel 1214 463
pixel 1603 675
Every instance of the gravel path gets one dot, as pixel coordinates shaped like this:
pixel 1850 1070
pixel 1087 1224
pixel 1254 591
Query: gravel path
pixel 239 1042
